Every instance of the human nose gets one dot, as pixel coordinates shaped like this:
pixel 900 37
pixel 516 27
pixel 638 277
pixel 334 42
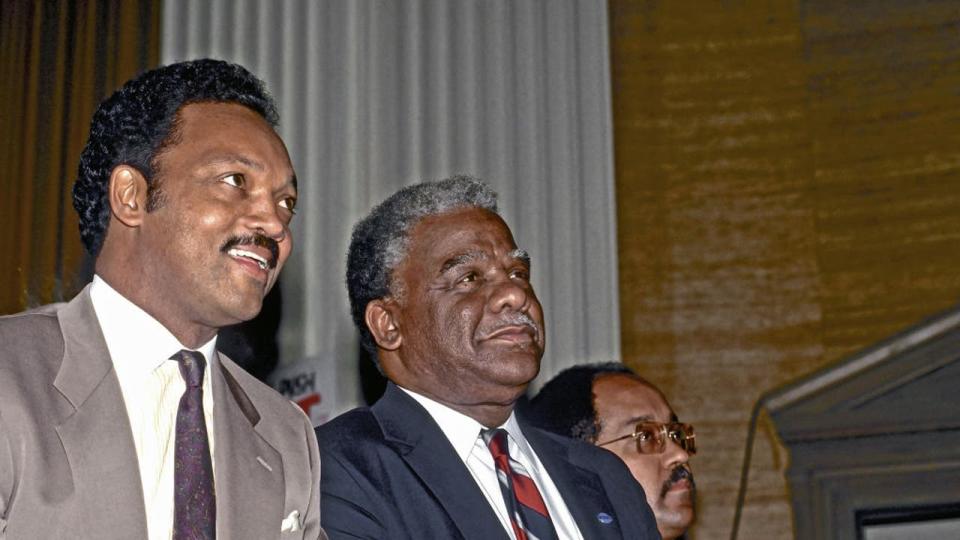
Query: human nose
pixel 674 455
pixel 264 217
pixel 508 295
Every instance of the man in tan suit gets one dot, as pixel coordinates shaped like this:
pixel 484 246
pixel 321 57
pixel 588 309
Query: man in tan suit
pixel 118 417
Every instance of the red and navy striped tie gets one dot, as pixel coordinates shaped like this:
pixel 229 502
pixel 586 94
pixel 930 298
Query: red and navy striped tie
pixel 528 513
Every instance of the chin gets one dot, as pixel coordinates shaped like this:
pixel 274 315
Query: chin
pixel 510 380
pixel 242 310
pixel 518 381
pixel 676 521
pixel 523 365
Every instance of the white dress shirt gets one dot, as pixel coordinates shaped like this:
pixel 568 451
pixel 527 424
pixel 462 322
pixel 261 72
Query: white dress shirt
pixel 463 433
pixel 140 348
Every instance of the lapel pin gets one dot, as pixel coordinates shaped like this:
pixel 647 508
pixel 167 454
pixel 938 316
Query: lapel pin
pixel 604 518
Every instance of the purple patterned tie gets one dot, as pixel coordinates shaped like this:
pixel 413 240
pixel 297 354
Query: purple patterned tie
pixel 194 500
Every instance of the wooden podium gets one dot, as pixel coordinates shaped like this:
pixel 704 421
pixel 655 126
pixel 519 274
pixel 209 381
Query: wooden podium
pixel 874 440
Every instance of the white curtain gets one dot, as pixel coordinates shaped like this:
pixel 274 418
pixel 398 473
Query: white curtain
pixel 377 94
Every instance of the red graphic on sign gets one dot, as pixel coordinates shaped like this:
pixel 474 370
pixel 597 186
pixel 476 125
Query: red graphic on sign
pixel 308 401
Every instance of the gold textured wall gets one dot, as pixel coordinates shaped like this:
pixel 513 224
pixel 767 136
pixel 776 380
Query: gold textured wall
pixel 788 187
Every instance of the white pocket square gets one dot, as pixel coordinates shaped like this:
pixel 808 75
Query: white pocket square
pixel 291 523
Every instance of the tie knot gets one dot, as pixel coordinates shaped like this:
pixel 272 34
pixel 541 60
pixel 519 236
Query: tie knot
pixel 191 364
pixel 496 441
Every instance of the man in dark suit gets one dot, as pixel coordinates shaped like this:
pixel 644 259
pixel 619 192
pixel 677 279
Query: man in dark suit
pixel 442 295
pixel 118 417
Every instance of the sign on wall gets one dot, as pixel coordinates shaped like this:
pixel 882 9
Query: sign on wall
pixel 310 384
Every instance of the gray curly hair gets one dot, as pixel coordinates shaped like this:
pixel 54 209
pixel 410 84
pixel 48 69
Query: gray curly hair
pixel 380 241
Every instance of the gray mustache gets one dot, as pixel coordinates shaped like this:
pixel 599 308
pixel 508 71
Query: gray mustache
pixel 511 319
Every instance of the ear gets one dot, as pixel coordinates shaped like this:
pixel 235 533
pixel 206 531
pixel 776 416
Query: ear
pixel 382 320
pixel 127 194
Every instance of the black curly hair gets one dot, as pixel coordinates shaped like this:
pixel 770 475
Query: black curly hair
pixel 135 124
pixel 565 404
pixel 379 242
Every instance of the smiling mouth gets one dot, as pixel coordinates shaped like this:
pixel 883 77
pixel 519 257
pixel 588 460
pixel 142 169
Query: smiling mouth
pixel 256 251
pixel 240 253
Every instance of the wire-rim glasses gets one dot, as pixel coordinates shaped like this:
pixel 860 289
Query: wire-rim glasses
pixel 652 437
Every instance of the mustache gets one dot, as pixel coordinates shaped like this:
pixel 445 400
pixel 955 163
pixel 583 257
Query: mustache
pixel 514 318
pixel 258 240
pixel 680 472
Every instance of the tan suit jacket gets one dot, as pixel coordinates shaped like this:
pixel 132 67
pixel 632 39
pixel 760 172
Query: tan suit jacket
pixel 68 467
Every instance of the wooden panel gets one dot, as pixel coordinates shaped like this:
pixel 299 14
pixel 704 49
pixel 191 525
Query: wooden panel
pixel 884 83
pixel 788 187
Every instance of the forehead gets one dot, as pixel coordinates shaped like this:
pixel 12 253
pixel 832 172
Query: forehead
pixel 622 399
pixel 436 238
pixel 210 131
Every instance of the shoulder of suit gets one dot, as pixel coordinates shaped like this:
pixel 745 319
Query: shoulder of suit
pixel 530 428
pixel 30 335
pixel 534 432
pixel 346 430
pixel 582 451
pixel 610 468
pixel 46 314
pixel 270 404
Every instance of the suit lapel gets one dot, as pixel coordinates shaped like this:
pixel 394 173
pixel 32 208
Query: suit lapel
pixel 249 471
pixel 96 435
pixel 421 443
pixel 580 487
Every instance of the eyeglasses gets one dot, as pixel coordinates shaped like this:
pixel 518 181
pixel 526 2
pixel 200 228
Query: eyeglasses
pixel 652 437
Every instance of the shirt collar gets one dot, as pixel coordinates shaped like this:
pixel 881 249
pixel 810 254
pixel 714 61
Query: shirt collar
pixel 137 342
pixel 461 430
pixel 516 435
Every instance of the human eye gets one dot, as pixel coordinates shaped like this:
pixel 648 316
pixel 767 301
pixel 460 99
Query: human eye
pixel 648 439
pixel 645 434
pixel 289 203
pixel 520 273
pixel 468 278
pixel 236 180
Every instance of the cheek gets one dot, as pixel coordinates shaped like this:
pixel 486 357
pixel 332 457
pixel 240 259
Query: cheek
pixel 181 235
pixel 202 210
pixel 454 336
pixel 535 304
pixel 461 319
pixel 286 247
pixel 647 473
pixel 212 218
pixel 536 311
pixel 194 232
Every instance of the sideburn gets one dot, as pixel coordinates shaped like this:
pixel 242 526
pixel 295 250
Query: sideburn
pixel 156 197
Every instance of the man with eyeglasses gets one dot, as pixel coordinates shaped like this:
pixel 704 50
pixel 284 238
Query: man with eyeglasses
pixel 611 406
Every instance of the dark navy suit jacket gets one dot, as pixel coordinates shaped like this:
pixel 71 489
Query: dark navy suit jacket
pixel 388 472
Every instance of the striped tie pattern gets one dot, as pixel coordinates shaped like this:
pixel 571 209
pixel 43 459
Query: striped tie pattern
pixel 194 501
pixel 528 513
